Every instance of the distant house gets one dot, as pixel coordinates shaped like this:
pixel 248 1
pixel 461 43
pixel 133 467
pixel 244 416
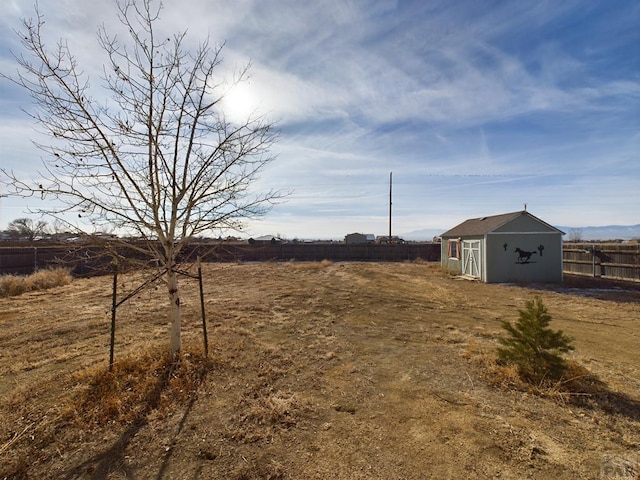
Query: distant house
pixel 512 247
pixel 385 239
pixel 265 239
pixel 358 238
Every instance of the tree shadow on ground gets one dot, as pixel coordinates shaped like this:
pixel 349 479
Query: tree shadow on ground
pixel 586 390
pixel 169 453
pixel 105 463
pixel 599 288
pixel 101 465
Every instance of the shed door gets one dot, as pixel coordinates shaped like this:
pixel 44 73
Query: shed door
pixel 471 259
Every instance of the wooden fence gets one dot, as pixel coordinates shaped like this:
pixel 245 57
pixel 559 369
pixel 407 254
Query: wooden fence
pixel 91 260
pixel 603 260
pixel 23 260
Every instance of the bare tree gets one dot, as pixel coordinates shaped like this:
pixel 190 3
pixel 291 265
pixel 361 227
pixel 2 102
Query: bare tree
pixel 159 160
pixel 26 229
pixel 575 235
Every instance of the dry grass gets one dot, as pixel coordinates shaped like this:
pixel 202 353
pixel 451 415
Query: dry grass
pixel 12 285
pixel 263 414
pixel 265 469
pixel 138 384
pixel 145 385
pixel 313 265
pixel 345 372
pixel 578 386
pixel 502 376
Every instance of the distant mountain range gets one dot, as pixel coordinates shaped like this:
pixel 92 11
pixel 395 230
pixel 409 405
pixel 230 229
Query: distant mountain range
pixel 425 235
pixel 608 232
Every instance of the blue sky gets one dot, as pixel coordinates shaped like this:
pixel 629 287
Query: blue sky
pixel 476 107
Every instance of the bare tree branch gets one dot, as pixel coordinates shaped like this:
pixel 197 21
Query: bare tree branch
pixel 159 159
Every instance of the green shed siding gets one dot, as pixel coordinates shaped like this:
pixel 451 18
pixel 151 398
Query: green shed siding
pixel 452 265
pixel 525 224
pixel 541 260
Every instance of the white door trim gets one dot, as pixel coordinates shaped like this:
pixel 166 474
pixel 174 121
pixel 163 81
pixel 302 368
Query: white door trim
pixel 471 258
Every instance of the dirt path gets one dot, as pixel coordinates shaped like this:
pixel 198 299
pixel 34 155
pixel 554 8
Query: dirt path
pixel 341 371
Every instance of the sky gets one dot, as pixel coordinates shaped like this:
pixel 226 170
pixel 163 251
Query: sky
pixel 477 108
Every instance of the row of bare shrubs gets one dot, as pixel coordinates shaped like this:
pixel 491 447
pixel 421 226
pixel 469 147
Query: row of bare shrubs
pixel 12 285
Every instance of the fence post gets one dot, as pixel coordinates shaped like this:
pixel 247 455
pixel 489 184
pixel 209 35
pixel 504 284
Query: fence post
pixel 113 313
pixel 204 320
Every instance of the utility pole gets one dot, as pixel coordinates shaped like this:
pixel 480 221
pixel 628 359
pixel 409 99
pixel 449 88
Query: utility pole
pixel 390 202
pixel 3 195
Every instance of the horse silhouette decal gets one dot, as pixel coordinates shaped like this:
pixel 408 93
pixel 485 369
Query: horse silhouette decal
pixel 524 256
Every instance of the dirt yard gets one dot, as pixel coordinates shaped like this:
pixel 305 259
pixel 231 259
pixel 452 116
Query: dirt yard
pixel 323 371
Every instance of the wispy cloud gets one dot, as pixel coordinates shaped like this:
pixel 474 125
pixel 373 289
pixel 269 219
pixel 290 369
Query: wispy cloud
pixel 476 108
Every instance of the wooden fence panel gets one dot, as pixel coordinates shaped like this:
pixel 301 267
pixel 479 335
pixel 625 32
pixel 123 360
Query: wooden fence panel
pixel 603 260
pixel 92 260
pixel 23 260
pixel 81 260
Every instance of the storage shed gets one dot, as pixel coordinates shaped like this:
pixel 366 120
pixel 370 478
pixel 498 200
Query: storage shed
pixel 512 247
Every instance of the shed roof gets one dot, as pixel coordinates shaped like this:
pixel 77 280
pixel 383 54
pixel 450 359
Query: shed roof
pixel 484 225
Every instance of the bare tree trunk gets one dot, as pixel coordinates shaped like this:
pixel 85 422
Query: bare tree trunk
pixel 174 311
pixel 196 174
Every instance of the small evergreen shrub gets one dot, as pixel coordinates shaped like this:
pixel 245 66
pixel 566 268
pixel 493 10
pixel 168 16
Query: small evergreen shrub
pixel 533 347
